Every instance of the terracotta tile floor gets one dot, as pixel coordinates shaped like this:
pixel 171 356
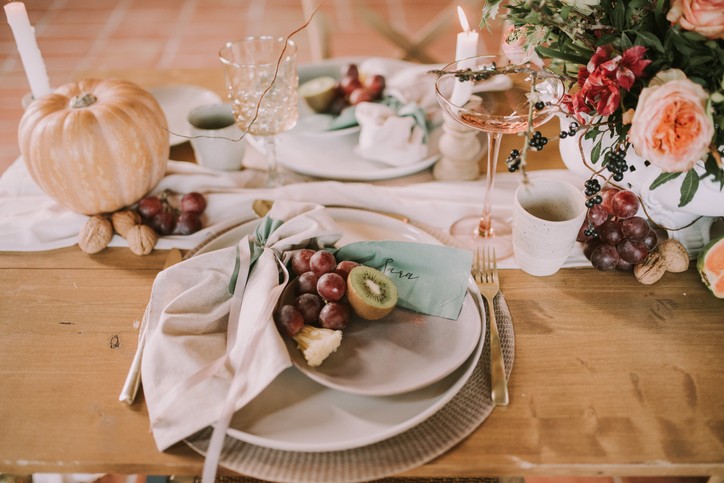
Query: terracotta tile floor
pixel 78 35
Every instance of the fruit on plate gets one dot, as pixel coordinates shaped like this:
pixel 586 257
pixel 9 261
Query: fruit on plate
pixel 326 95
pixel 95 146
pixel 319 93
pixel 710 265
pixel 370 292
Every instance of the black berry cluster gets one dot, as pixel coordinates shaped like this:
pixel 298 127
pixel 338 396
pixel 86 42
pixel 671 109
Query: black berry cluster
pixel 513 160
pixel 616 162
pixel 572 130
pixel 592 188
pixel 538 141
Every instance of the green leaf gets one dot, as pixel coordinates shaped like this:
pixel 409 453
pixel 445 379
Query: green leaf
pixel 625 42
pixel 606 39
pixel 596 151
pixel 688 187
pixel 618 15
pixel 663 178
pixel 591 133
pixel 547 52
pixel 565 10
pixel 649 40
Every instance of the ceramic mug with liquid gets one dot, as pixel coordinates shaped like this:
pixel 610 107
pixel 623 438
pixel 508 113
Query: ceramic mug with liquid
pixel 547 214
pixel 216 140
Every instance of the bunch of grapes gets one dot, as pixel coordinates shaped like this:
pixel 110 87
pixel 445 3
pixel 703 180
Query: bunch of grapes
pixel 167 215
pixel 321 288
pixel 352 90
pixel 613 237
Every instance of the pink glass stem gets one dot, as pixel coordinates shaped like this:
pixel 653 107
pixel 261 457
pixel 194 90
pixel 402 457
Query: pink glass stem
pixel 270 147
pixel 485 228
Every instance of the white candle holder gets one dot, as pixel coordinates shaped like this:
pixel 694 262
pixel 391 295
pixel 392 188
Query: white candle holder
pixel 461 150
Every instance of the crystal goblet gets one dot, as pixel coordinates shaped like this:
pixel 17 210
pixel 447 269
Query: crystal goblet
pixel 262 82
pixel 496 101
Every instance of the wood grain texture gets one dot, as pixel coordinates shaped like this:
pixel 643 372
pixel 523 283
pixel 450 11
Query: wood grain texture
pixel 611 377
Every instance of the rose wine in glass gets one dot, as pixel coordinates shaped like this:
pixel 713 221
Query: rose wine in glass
pixel 262 81
pixel 498 103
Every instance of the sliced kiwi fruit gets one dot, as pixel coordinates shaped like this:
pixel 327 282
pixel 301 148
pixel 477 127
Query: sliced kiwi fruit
pixel 370 292
pixel 319 92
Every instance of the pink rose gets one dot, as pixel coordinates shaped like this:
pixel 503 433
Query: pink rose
pixel 703 16
pixel 515 48
pixel 670 127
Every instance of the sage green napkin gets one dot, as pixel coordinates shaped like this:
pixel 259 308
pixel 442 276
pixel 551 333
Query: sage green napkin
pixel 430 279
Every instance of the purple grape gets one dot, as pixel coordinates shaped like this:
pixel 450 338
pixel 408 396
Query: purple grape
pixel 164 222
pixel 322 262
pixel 331 287
pixel 604 257
pixel 289 320
pixel 589 245
pixel 635 228
pixel 188 223
pixel 309 305
pixel 193 203
pixel 300 260
pixel 344 267
pixel 335 315
pixel 307 282
pixel 650 240
pixel 597 215
pixel 149 207
pixel 610 232
pixel 624 266
pixel 624 204
pixel 632 251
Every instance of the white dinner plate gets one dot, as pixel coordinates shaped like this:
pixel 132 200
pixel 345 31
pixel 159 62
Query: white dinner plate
pixel 295 413
pixel 176 102
pixel 401 352
pixel 312 150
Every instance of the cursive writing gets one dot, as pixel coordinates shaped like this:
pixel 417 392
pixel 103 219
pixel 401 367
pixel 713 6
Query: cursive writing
pixel 391 271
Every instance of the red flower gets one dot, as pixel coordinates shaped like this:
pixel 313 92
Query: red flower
pixel 601 79
pixel 628 67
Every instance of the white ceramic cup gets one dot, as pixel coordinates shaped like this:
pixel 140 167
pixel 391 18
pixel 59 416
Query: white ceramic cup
pixel 547 214
pixel 216 138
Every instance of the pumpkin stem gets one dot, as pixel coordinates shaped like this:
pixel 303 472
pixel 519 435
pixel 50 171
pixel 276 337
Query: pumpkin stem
pixel 83 100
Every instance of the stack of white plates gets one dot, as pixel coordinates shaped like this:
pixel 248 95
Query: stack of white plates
pixel 386 377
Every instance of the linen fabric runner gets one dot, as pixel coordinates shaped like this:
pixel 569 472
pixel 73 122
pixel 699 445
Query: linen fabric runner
pixel 31 221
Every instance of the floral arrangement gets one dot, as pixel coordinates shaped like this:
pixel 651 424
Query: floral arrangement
pixel 648 75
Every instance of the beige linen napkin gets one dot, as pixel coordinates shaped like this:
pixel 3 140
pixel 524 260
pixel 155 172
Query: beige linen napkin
pixel 210 343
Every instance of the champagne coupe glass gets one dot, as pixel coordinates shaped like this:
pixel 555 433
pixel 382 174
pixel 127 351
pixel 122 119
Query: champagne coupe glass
pixel 262 81
pixel 496 103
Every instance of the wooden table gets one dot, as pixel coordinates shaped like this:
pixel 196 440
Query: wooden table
pixel 610 377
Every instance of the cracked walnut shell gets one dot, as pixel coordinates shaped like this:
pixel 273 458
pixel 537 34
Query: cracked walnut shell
pixel 675 255
pixel 95 235
pixel 123 221
pixel 651 269
pixel 141 239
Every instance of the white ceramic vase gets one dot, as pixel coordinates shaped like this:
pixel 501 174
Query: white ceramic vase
pixel 690 224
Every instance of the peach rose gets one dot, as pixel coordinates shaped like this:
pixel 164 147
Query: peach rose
pixel 671 127
pixel 703 16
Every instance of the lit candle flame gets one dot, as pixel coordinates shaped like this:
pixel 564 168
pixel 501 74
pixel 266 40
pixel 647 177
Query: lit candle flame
pixel 463 19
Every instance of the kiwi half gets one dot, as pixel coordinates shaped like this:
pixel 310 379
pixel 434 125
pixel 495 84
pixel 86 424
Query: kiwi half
pixel 370 292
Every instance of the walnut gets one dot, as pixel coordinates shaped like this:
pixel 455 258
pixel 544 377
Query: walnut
pixel 675 255
pixel 96 234
pixel 651 269
pixel 123 220
pixel 141 239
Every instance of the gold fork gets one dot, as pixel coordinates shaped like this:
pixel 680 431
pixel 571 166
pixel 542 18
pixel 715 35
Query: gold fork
pixel 485 273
